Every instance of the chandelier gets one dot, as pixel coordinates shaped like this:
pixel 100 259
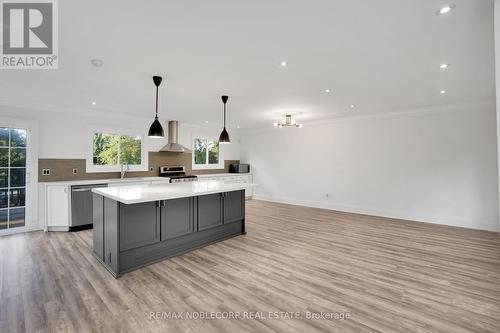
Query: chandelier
pixel 287 122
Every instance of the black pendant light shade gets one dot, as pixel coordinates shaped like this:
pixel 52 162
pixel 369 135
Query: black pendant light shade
pixel 224 136
pixel 156 130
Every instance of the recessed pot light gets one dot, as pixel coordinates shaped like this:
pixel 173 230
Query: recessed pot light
pixel 445 9
pixel 206 121
pixel 238 126
pixel 283 64
pixel 327 91
pixel 352 106
pixel 444 66
pixel 442 92
pixel 94 103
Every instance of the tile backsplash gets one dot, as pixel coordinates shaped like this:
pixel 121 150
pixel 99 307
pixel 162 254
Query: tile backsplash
pixel 75 169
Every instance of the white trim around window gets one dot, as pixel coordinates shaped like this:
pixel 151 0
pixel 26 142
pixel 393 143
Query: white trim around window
pixel 206 166
pixel 89 158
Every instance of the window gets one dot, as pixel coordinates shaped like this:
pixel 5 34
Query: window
pixel 205 153
pixel 110 151
pixel 105 149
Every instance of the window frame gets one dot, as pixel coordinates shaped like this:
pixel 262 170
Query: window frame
pixel 219 165
pixel 31 217
pixel 9 188
pixel 92 168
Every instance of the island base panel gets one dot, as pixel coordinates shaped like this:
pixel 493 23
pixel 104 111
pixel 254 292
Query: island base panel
pixel 143 256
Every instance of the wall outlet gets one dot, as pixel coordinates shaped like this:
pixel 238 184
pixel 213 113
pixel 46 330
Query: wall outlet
pixel 75 171
pixel 45 172
pixel 151 169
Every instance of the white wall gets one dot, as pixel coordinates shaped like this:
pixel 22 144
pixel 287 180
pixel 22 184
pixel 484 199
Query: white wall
pixel 436 165
pixel 66 135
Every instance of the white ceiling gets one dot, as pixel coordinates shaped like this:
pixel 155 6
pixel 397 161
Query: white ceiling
pixel 380 55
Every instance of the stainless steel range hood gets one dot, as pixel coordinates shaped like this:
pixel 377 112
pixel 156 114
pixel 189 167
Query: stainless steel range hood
pixel 172 145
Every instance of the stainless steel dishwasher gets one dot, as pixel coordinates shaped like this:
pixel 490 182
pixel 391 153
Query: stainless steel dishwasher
pixel 81 206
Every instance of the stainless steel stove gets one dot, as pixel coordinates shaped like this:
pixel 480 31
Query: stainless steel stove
pixel 177 174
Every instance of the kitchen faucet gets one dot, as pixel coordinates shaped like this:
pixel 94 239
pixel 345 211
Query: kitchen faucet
pixel 123 171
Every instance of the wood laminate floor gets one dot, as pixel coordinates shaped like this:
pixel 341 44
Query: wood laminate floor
pixel 388 275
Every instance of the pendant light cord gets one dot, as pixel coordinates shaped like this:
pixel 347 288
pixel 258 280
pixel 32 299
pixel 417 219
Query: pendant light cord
pixel 156 117
pixel 224 115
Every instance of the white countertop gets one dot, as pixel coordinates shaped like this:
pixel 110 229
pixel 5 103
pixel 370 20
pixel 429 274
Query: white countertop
pixel 131 179
pixel 106 181
pixel 222 174
pixel 146 193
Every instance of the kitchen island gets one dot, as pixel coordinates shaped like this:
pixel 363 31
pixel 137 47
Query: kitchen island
pixel 135 226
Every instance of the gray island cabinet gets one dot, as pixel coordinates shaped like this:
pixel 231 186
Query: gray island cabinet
pixel 128 236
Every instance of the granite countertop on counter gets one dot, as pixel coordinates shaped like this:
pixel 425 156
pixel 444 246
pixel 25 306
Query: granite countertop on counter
pixel 109 181
pixel 146 193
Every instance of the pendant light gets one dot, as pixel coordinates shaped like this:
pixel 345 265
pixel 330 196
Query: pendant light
pixel 156 130
pixel 224 136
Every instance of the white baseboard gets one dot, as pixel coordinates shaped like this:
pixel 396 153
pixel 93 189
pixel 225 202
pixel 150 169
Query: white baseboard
pixel 401 215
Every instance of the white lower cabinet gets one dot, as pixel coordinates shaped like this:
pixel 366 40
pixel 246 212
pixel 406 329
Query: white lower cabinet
pixel 248 179
pixel 58 203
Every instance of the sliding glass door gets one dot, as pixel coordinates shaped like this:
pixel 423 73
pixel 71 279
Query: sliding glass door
pixel 13 166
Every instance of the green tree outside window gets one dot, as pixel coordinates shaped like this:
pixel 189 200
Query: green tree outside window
pixel 206 152
pixel 108 149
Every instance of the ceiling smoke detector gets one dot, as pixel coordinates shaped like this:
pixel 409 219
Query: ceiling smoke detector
pixel 97 62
